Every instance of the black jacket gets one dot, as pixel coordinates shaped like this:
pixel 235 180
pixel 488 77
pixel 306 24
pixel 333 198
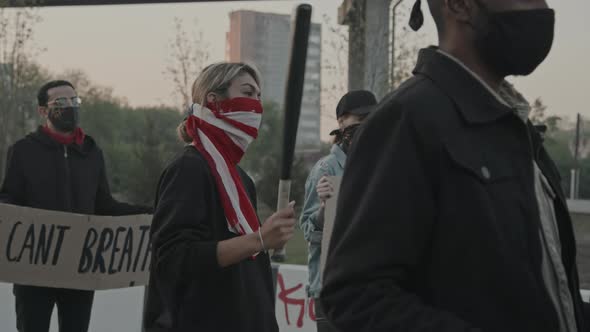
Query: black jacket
pixel 443 233
pixel 188 291
pixel 44 174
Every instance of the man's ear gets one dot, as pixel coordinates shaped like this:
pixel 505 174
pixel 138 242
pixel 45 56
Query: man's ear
pixel 43 111
pixel 461 10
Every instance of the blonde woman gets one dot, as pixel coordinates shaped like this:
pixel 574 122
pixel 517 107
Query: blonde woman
pixel 210 270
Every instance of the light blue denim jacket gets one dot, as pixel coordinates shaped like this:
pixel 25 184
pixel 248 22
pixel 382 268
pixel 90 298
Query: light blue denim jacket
pixel 330 165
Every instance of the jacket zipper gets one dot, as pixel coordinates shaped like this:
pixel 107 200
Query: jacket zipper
pixel 67 182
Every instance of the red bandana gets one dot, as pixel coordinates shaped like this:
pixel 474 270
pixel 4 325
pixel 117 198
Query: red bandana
pixel 222 132
pixel 76 137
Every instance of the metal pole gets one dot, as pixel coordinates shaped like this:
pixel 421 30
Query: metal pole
pixel 577 141
pixel 145 292
pixel 576 171
pixel 577 183
pixel 392 69
pixel 573 183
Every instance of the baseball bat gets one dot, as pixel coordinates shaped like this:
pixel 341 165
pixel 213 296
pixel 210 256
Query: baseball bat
pixel 293 94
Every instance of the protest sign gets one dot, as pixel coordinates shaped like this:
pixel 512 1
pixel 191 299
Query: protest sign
pixel 66 250
pixel 329 216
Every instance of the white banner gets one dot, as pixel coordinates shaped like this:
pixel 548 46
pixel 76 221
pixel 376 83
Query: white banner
pixel 65 250
pixel 295 312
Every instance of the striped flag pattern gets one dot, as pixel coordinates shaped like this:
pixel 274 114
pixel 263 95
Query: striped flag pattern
pixel 221 132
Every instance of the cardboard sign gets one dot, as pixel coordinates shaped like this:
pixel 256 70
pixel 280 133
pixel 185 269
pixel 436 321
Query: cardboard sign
pixel 294 310
pixel 329 217
pixel 65 250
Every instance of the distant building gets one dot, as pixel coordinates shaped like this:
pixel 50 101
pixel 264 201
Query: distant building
pixel 264 39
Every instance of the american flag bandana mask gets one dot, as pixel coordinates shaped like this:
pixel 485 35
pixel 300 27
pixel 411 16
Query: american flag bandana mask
pixel 221 132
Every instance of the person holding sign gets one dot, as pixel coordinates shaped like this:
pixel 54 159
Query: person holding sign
pixel 451 216
pixel 351 110
pixel 58 168
pixel 210 269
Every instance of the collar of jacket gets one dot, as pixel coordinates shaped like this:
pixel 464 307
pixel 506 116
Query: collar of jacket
pixel 40 136
pixel 475 103
pixel 337 151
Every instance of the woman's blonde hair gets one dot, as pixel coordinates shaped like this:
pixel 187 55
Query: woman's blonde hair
pixel 216 78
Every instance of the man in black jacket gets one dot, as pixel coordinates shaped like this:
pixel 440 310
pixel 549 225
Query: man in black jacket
pixel 58 168
pixel 461 224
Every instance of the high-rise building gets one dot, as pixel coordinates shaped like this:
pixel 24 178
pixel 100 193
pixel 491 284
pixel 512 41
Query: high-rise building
pixel 264 39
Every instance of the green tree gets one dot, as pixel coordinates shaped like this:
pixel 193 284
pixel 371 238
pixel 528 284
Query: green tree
pixel 188 56
pixel 538 117
pixel 154 148
pixel 557 147
pixel 262 162
pixel 137 142
pixel 20 77
pixel 557 143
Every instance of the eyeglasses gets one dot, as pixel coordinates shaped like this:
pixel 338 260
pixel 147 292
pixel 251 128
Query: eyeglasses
pixel 65 102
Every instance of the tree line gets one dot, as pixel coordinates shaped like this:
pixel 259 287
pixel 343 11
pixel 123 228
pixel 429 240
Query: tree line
pixel 139 142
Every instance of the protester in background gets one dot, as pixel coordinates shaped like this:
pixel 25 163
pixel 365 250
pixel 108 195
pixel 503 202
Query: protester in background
pixel 210 269
pixel 352 109
pixel 58 168
pixel 451 216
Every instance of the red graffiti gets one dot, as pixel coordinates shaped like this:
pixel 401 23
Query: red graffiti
pixel 311 309
pixel 284 296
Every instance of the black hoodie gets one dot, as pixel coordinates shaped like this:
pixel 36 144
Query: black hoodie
pixel 188 291
pixel 44 174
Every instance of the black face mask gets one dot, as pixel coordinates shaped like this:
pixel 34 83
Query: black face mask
pixel 347 136
pixel 515 42
pixel 64 119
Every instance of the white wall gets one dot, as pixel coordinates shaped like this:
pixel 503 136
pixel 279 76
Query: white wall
pixel 114 310
pixel 120 310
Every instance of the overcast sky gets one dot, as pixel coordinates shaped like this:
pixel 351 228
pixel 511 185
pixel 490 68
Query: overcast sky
pixel 125 47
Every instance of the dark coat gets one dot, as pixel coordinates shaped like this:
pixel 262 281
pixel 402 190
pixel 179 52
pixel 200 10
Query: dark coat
pixel 44 174
pixel 443 233
pixel 188 291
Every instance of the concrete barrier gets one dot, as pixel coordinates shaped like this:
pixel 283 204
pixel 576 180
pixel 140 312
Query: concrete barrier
pixel 293 309
pixel 120 310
